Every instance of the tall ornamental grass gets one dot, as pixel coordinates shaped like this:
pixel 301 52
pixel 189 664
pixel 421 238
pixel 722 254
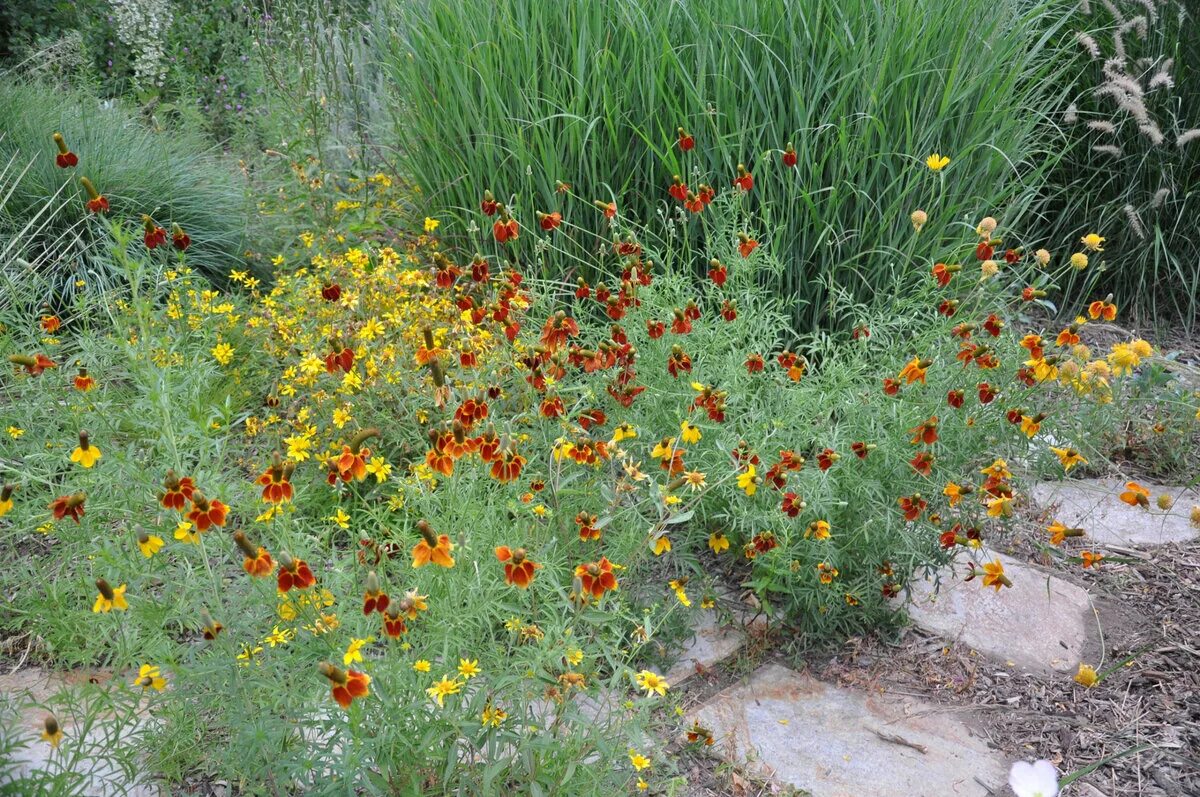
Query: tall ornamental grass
pixel 1131 143
pixel 514 95
pixel 173 176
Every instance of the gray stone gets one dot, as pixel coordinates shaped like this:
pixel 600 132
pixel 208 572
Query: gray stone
pixel 836 742
pixel 711 643
pixel 1040 623
pixel 1092 504
pixel 91 758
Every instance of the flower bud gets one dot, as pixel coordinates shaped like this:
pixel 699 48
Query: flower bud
pixel 918 219
pixel 239 539
pixel 427 532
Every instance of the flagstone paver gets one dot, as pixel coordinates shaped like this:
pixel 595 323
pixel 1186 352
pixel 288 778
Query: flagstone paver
pixel 836 742
pixel 1092 504
pixel 1040 624
pixel 713 641
pixel 96 774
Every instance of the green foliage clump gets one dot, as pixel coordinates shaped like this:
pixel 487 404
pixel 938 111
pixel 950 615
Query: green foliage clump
pixel 173 176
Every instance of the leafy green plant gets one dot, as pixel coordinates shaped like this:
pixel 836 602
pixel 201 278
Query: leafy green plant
pixel 173 176
pixel 591 93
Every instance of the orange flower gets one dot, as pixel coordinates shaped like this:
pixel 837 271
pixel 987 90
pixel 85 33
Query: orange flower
pixel 345 684
pixel 205 513
pixel 51 323
pixel 508 465
pixel 587 526
pixel 922 463
pixel 993 575
pixel 1136 495
pixel 1060 532
pixel 68 506
pixel 595 578
pixel 83 382
pixel 97 202
pixel 294 573
pixel 925 433
pixel 176 491
pixel 746 244
pixel 518 568
pixel 432 547
pixel 257 561
pixel 1091 559
pixel 276 487
pixel 914 371
pixel 352 462
pixel 1103 309
pixel 33 364
pixel 549 221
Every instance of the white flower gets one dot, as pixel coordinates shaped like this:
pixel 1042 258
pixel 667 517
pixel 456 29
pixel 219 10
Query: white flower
pixel 1039 779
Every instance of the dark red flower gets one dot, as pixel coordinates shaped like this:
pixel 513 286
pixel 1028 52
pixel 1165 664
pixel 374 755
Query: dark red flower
pixel 65 158
pixel 717 272
pixel 180 239
pixel 955 398
pixel 755 363
pixel 686 141
pixel 744 179
pixel 789 156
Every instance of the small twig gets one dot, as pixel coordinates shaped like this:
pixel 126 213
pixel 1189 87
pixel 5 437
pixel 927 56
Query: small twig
pixel 900 740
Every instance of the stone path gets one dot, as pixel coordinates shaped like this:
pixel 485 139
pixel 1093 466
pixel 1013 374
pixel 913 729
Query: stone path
pixel 1092 504
pixel 1040 624
pixel 83 759
pixel 846 743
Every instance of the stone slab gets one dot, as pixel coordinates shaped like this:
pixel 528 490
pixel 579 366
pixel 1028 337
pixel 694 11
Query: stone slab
pixel 97 774
pixel 1037 624
pixel 834 742
pixel 712 643
pixel 1092 504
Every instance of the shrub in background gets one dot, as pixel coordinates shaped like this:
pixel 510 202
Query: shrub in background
pixel 592 93
pixel 1131 165
pixel 174 176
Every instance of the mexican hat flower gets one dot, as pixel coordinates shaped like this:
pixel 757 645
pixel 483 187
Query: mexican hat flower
pixel 51 731
pixel 180 239
pixel 345 685
pixel 68 506
pixel 519 569
pixel 275 481
pixel 65 158
pixel 108 598
pixel 150 677
pixel 176 491
pixel 293 573
pixel 256 561
pixel 205 512
pixel 374 598
pixel 152 235
pixel 432 547
pixel 97 202
pixel 595 578
pixel 6 502
pixel 85 454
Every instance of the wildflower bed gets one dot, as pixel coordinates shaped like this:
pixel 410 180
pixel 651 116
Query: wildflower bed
pixel 382 524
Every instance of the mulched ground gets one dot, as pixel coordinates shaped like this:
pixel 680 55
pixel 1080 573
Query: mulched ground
pixel 1148 712
pixel 1150 606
